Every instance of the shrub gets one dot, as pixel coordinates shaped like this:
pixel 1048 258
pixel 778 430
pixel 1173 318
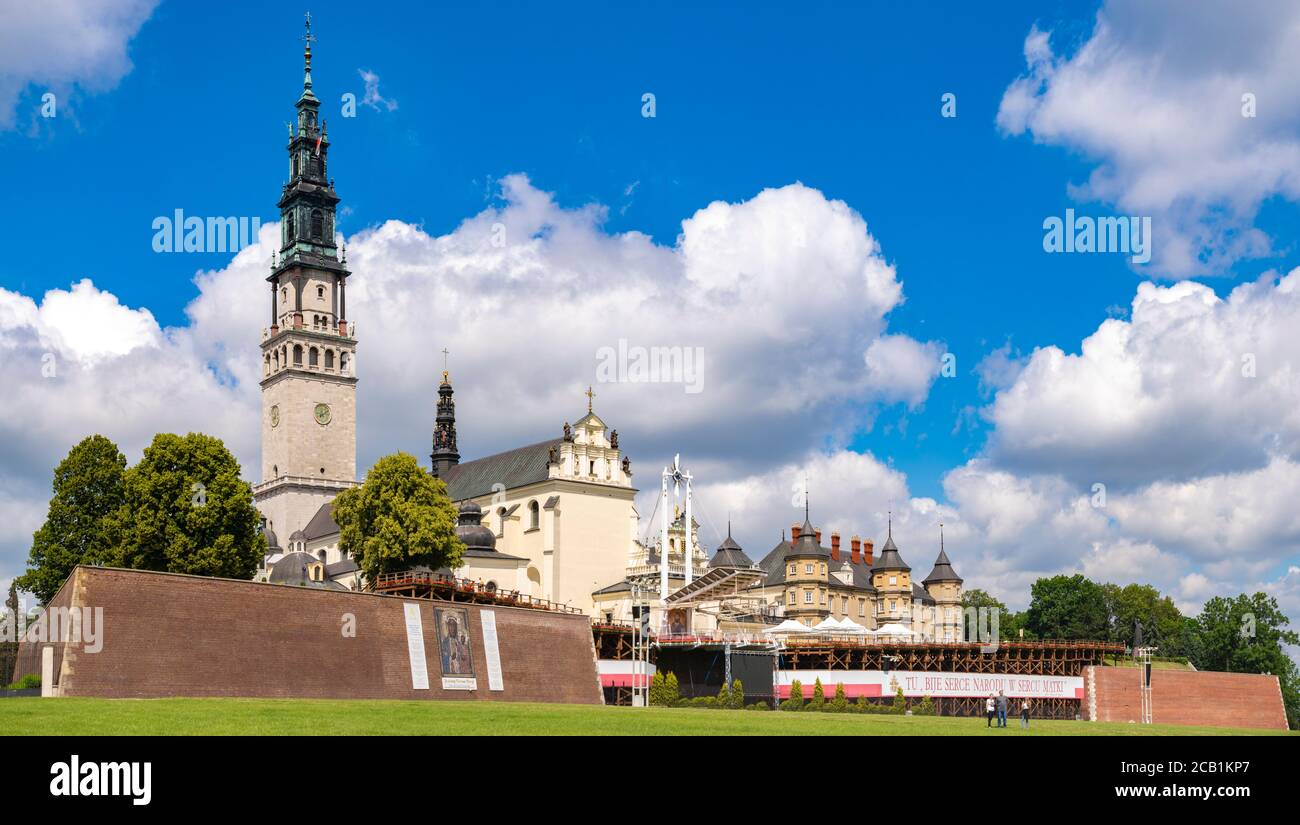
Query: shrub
pixel 840 704
pixel 29 682
pixel 795 702
pixel 819 696
pixel 757 706
pixel 926 708
pixel 862 705
pixel 672 692
pixel 738 695
pixel 900 704
pixel 724 696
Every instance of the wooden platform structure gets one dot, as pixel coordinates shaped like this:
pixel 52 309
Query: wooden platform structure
pixel 1017 658
pixel 443 587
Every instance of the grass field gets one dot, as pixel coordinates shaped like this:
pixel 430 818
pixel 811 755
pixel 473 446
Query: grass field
pixel 68 717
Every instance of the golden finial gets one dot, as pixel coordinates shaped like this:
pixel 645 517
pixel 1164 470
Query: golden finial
pixel 590 395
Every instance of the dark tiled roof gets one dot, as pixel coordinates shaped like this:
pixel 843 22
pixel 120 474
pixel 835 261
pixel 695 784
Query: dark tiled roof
pixel 943 571
pixel 478 553
pixel 918 593
pixel 890 558
pixel 730 555
pixel 806 544
pixel 322 524
pixel 340 567
pixel 624 586
pixel 513 468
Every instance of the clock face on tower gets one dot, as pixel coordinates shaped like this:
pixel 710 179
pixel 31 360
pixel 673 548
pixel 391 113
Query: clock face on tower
pixel 322 414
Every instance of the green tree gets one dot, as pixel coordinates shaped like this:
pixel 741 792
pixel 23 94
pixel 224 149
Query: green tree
pixel 657 689
pixel 738 695
pixel 840 704
pixel 900 703
pixel 188 511
pixel 81 523
pixel 1009 623
pixel 1162 623
pixel 1247 634
pixel 819 696
pixel 1067 607
pixel 926 708
pixel 672 690
pixel 724 696
pixel 795 702
pixel 400 517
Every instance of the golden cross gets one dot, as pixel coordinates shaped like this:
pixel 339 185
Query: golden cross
pixel 590 395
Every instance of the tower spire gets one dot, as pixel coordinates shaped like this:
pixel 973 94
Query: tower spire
pixel 306 57
pixel 444 455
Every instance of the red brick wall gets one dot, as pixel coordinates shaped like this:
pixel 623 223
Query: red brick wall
pixel 1185 697
pixel 174 635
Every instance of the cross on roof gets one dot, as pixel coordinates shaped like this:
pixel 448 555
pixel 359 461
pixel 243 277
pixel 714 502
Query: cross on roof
pixel 309 37
pixel 590 395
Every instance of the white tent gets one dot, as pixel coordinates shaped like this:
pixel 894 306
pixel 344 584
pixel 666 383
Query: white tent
pixel 828 625
pixel 893 629
pixel 789 626
pixel 847 625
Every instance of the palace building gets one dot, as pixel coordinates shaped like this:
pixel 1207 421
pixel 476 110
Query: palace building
pixel 552 520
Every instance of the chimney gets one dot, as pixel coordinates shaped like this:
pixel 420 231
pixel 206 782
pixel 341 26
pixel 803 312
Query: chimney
pixel 835 546
pixel 794 533
pixel 818 535
pixel 855 548
pixel 868 552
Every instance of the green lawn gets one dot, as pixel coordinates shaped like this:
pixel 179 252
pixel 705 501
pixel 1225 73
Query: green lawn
pixel 71 716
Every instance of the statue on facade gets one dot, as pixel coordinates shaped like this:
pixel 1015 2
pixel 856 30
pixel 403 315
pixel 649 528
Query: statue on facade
pixel 568 432
pixel 613 439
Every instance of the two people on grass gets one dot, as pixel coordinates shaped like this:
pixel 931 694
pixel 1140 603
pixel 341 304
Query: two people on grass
pixel 997 705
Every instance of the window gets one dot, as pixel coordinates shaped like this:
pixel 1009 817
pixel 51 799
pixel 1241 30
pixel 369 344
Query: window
pixel 893 579
pixel 320 292
pixel 291 224
pixel 329 359
pixel 893 605
pixel 343 363
pixel 862 607
pixel 807 597
pixel 823 569
pixel 807 568
pixel 501 522
pixel 297 355
pixel 791 597
pixel 844 605
pixel 313 358
pixel 534 515
pixel 792 569
pixel 317 224
pixel 491 587
pixel 284 295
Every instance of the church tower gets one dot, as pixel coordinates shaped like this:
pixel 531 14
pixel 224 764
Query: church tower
pixel 309 380
pixel 444 455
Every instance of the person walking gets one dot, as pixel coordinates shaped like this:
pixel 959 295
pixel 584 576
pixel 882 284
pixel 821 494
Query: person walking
pixel 1002 709
pixel 1024 714
pixel 988 709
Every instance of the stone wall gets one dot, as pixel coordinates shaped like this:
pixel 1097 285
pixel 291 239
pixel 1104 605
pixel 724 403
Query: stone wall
pixel 165 634
pixel 1185 697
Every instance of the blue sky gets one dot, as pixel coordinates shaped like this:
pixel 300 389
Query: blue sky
pixel 844 98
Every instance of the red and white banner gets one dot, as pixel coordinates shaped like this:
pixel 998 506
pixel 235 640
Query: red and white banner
pixel 922 683
pixel 618 673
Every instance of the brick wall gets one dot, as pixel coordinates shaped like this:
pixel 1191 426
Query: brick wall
pixel 1185 697
pixel 173 635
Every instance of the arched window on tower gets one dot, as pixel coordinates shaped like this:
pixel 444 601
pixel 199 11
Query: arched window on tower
pixel 313 358
pixel 329 359
pixel 317 225
pixel 297 355
pixel 534 515
pixel 344 363
pixel 295 164
pixel 292 231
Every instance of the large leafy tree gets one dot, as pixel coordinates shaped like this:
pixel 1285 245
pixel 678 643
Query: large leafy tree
pixel 1246 634
pixel 188 511
pixel 1067 607
pixel 399 517
pixel 81 523
pixel 1162 623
